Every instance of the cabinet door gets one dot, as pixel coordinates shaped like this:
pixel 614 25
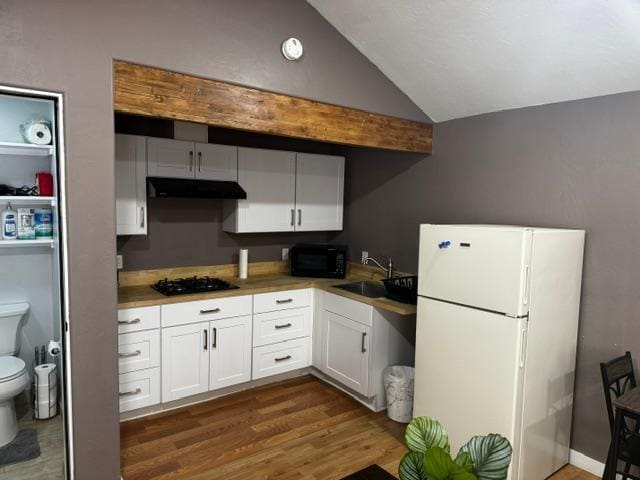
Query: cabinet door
pixel 185 361
pixel 319 192
pixel 216 162
pixel 268 176
pixel 170 158
pixel 230 359
pixel 131 189
pixel 347 351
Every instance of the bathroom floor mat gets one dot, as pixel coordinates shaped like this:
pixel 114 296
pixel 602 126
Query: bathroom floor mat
pixel 24 447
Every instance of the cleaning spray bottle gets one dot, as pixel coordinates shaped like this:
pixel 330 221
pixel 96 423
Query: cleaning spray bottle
pixel 9 223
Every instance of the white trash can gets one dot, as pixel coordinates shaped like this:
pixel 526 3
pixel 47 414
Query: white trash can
pixel 398 384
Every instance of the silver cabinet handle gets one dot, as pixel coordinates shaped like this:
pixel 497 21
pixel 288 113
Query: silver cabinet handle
pixel 288 300
pixel 286 325
pixel 129 354
pixel 191 160
pixel 293 217
pixel 212 310
pixel 299 217
pixel 129 322
pixel 206 335
pixel 282 359
pixel 130 392
pixel 364 336
pixel 199 161
pixel 215 338
pixel 141 217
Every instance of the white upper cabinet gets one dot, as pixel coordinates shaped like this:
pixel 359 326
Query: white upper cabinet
pixel 287 192
pixel 268 176
pixel 170 158
pixel 130 177
pixel 319 192
pixel 184 159
pixel 216 162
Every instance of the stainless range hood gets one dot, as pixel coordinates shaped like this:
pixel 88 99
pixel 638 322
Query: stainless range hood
pixel 189 188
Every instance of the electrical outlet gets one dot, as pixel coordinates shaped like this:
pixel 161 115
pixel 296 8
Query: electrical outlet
pixel 119 262
pixel 365 255
pixel 285 254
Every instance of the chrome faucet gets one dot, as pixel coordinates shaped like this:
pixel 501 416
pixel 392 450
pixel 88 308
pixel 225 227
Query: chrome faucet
pixel 388 270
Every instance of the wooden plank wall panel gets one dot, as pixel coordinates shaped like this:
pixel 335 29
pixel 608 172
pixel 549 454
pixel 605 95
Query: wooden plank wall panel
pixel 154 92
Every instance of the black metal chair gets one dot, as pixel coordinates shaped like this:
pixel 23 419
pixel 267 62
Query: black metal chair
pixel 617 378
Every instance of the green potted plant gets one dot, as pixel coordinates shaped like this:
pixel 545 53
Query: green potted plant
pixel 429 458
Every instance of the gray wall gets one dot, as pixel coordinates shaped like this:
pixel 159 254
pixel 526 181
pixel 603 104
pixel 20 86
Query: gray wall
pixel 573 164
pixel 188 232
pixel 69 46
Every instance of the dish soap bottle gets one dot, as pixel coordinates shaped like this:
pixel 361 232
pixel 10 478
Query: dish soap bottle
pixel 9 222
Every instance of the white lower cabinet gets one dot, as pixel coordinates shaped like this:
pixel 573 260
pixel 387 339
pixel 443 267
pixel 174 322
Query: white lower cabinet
pixel 358 342
pixel 185 361
pixel 281 357
pixel 202 349
pixel 347 351
pixel 230 356
pixel 139 389
pixel 139 357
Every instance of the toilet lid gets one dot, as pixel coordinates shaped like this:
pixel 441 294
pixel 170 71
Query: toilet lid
pixel 10 367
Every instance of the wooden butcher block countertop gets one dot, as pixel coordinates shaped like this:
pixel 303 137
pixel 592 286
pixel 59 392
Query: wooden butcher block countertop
pixel 264 277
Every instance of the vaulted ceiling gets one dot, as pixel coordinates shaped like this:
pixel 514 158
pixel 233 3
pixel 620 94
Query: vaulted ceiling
pixel 456 58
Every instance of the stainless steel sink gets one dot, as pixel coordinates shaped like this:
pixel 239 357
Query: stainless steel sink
pixel 365 288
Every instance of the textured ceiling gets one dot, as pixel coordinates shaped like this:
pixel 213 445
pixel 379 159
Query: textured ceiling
pixel 456 58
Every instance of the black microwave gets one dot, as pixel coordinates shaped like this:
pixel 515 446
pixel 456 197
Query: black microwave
pixel 323 261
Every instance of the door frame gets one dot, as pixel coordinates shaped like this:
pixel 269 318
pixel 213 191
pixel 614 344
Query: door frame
pixel 65 328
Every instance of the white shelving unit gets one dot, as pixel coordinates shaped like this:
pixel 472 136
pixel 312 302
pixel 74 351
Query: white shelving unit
pixel 28 149
pixel 44 242
pixel 28 201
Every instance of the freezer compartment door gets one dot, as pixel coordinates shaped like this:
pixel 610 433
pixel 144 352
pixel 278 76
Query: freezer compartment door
pixel 469 371
pixel 480 266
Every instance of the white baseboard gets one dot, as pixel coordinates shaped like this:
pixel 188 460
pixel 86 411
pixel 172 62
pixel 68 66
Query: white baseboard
pixel 585 463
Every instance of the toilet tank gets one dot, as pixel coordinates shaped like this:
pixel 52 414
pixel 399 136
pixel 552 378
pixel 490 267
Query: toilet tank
pixel 10 324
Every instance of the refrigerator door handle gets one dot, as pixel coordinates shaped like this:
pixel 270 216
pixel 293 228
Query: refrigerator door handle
pixel 523 347
pixel 525 288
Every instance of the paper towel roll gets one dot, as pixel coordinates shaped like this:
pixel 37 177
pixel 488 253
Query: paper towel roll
pixel 37 133
pixel 243 263
pixel 46 402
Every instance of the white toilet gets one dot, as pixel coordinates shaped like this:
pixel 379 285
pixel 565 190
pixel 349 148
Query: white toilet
pixel 13 371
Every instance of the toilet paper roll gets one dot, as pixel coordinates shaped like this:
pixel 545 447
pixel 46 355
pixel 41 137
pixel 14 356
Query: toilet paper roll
pixel 243 263
pixel 37 133
pixel 46 401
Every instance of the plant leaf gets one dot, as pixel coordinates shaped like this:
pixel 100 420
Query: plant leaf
pixel 424 433
pixel 439 465
pixel 491 456
pixel 465 461
pixel 411 467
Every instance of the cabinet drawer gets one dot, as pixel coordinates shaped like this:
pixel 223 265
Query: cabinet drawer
pixel 138 350
pixel 139 389
pixel 205 310
pixel 271 302
pixel 280 357
pixel 136 319
pixel 276 327
pixel 351 309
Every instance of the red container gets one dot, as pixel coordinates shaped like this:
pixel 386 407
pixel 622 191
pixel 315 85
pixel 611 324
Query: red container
pixel 44 181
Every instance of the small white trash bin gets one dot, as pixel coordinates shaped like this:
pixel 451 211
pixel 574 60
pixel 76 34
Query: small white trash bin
pixel 398 385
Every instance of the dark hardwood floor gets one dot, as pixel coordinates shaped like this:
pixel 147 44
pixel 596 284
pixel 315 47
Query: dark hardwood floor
pixel 298 429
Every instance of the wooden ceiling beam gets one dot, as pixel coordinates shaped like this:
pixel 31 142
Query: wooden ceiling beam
pixel 154 92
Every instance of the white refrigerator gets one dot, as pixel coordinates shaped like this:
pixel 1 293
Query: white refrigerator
pixel 496 337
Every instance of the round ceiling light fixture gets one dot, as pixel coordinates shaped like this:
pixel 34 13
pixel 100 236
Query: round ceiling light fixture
pixel 292 49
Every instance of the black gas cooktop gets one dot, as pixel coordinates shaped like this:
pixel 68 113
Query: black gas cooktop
pixel 181 286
